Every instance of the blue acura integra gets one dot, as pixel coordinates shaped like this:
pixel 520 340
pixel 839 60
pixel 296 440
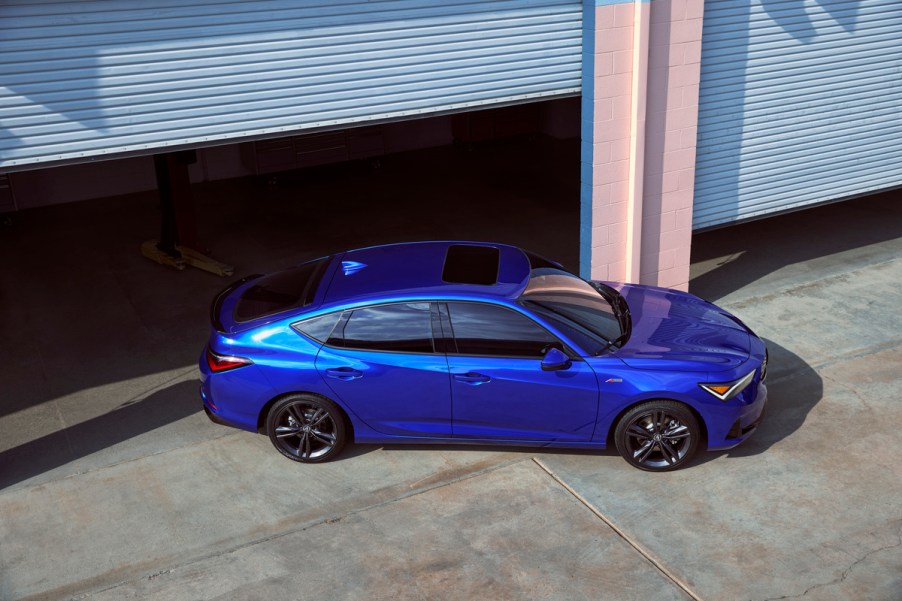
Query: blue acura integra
pixel 462 342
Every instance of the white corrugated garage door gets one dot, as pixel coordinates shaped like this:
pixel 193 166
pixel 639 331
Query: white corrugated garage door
pixel 91 78
pixel 801 103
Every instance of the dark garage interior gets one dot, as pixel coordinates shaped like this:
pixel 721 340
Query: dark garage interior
pixel 81 297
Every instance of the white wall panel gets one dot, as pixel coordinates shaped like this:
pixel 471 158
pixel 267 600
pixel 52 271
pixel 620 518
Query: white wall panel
pixel 80 80
pixel 800 103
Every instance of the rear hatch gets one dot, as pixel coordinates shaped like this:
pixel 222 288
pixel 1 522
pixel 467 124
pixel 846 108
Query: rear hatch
pixel 258 299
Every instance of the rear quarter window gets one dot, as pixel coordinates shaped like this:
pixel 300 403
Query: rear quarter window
pixel 318 328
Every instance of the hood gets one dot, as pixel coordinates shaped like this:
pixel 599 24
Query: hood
pixel 676 330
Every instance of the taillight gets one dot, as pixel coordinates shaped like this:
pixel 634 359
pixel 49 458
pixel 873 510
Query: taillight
pixel 218 362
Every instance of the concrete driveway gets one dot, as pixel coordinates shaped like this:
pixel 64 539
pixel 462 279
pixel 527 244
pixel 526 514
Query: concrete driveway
pixel 113 485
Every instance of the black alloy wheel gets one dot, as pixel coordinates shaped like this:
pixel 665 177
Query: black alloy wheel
pixel 657 436
pixel 306 428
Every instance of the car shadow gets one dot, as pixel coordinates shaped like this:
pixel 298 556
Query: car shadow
pixel 486 448
pixel 793 389
pixel 753 250
pixel 75 442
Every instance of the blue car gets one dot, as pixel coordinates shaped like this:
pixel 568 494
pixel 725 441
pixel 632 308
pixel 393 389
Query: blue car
pixel 464 342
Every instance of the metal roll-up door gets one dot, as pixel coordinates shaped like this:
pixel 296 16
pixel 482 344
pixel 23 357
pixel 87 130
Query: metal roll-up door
pixel 92 78
pixel 800 103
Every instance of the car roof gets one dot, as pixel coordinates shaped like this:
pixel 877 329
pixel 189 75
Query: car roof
pixel 417 269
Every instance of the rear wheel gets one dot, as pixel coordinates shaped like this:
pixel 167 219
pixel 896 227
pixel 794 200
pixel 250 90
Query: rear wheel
pixel 306 428
pixel 657 436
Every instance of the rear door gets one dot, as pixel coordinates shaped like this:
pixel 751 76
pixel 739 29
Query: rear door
pixel 498 388
pixel 382 363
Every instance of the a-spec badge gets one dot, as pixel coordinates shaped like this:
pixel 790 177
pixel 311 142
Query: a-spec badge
pixel 351 267
pixel 610 380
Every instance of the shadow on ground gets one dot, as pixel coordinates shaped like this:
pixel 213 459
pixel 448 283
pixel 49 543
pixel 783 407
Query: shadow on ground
pixel 75 442
pixel 793 389
pixel 750 251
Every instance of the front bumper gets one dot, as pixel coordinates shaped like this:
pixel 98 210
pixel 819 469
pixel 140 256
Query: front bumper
pixel 747 419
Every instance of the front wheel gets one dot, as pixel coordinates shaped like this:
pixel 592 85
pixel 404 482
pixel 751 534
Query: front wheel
pixel 306 428
pixel 657 436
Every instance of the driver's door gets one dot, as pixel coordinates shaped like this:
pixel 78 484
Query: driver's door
pixel 498 388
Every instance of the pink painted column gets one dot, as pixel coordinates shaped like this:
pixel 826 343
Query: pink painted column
pixel 675 49
pixel 640 110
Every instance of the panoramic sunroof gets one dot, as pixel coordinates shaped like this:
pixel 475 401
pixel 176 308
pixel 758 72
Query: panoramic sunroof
pixel 468 264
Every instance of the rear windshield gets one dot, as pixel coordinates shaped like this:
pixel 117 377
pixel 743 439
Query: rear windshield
pixel 281 291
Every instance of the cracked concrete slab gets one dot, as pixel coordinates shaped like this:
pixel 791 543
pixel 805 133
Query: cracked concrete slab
pixel 780 517
pixel 509 533
pixel 811 505
pixel 110 476
pixel 77 533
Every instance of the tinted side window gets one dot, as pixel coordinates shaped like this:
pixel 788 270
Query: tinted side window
pixel 318 328
pixel 495 331
pixel 589 341
pixel 401 328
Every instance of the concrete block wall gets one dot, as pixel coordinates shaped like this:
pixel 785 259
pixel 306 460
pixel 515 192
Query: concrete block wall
pixel 638 153
pixel 674 62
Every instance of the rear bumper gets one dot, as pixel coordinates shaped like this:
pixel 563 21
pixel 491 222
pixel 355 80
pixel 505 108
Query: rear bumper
pixel 221 406
pixel 209 408
pixel 216 419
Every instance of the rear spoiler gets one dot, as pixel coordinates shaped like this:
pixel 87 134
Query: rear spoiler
pixel 217 302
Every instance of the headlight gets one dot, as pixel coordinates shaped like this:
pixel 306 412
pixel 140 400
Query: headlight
pixel 727 390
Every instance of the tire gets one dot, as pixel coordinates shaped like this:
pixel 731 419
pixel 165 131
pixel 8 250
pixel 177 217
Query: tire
pixel 658 436
pixel 306 428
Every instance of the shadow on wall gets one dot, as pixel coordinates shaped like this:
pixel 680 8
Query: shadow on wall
pixel 795 18
pixel 75 442
pixel 719 148
pixel 756 249
pixel 86 113
pixel 738 108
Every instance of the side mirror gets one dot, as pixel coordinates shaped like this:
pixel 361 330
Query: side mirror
pixel 555 359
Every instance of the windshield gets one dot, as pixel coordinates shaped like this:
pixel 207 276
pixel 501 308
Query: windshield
pixel 593 315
